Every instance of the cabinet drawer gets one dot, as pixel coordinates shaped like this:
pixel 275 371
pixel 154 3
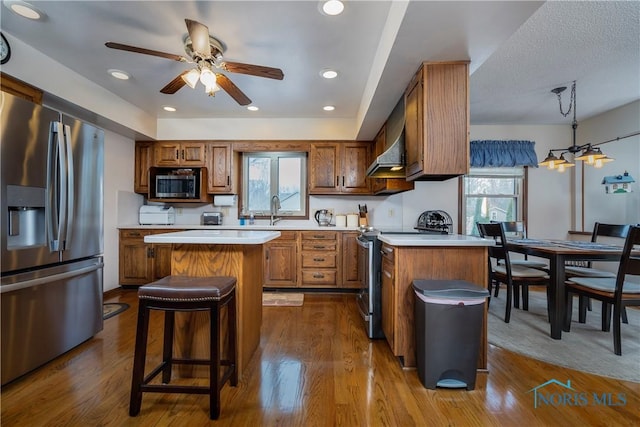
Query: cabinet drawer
pixel 319 235
pixel 288 235
pixel 132 234
pixel 319 277
pixel 319 259
pixel 388 252
pixel 311 245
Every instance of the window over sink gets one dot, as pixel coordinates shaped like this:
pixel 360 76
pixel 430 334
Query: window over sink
pixel 269 174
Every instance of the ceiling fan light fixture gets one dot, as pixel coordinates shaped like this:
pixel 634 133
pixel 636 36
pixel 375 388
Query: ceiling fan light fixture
pixel 207 77
pixel 211 89
pixel 333 7
pixel 25 9
pixel 191 78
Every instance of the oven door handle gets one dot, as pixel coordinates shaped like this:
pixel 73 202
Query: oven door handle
pixel 365 244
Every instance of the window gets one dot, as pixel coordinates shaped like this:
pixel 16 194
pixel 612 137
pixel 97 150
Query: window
pixel 493 194
pixel 267 174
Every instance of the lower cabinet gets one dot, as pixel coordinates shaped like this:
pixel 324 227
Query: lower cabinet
pixel 281 260
pixel 388 295
pixel 140 262
pixel 319 259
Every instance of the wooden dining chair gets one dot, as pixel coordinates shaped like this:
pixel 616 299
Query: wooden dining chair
pixel 599 230
pixel 518 230
pixel 617 292
pixel 513 276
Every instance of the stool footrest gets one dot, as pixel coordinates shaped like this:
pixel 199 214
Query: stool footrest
pixel 170 388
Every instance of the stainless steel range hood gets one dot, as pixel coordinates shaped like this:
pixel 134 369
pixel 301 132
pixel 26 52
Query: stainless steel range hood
pixel 390 164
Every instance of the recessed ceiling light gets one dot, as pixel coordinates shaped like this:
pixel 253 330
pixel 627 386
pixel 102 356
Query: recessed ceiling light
pixel 24 9
pixel 169 108
pixel 252 108
pixel 328 108
pixel 333 7
pixel 329 74
pixel 119 74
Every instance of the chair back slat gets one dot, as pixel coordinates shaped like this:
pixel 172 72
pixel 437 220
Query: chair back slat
pixel 495 231
pixel 516 228
pixel 609 230
pixel 629 263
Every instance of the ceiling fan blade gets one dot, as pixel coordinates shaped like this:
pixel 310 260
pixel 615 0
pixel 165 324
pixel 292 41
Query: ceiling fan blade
pixel 226 84
pixel 199 34
pixel 253 70
pixel 135 49
pixel 174 85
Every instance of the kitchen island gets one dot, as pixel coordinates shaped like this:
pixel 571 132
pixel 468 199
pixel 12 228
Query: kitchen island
pixel 406 257
pixel 203 253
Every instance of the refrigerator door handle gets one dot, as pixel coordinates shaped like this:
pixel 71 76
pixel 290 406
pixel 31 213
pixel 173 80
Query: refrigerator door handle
pixel 47 279
pixel 69 189
pixel 56 204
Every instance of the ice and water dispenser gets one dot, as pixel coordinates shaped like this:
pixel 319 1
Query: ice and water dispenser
pixel 25 216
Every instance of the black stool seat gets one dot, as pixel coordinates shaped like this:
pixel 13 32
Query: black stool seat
pixel 182 293
pixel 188 289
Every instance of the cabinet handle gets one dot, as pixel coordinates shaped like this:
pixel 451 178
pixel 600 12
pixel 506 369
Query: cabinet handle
pixel 318 276
pixel 267 254
pixel 150 253
pixel 343 180
pixel 318 259
pixel 318 236
pixel 319 247
pixel 182 154
pixel 177 154
pixel 136 234
pixel 337 180
pixel 228 180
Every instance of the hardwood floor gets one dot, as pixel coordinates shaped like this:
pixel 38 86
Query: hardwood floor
pixel 314 367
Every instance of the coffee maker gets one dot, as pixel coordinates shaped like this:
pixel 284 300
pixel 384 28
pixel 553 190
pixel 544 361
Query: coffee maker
pixel 323 217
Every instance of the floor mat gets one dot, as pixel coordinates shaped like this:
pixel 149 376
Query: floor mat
pixel 111 309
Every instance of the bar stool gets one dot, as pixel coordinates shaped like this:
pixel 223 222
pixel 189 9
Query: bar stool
pixel 181 293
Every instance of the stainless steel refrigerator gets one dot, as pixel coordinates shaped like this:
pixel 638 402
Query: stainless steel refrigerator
pixel 52 234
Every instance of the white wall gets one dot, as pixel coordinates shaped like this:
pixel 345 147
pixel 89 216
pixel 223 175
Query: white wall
pixel 118 179
pixel 599 206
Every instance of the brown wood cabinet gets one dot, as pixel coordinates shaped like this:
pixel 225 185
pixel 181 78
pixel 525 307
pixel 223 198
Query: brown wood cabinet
pixel 179 153
pixel 388 285
pixel 339 168
pixel 20 89
pixel 350 260
pixel 220 168
pixel 143 161
pixel 140 262
pixel 319 262
pixel 437 121
pixel 281 260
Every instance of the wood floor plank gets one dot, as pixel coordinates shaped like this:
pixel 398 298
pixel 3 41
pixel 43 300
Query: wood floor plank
pixel 314 367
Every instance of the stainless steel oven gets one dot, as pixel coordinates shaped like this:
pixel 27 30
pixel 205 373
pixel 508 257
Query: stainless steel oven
pixel 369 297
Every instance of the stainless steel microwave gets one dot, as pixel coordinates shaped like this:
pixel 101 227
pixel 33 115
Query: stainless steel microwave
pixel 176 186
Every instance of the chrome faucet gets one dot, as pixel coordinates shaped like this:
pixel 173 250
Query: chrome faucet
pixel 275 205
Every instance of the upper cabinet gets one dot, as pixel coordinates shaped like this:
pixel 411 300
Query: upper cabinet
pixel 339 168
pixel 177 153
pixel 437 121
pixel 142 162
pixel 220 169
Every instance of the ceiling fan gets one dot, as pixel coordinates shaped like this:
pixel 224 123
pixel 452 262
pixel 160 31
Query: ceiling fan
pixel 206 52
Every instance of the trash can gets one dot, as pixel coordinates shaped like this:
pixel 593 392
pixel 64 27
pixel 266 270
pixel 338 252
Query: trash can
pixel 448 324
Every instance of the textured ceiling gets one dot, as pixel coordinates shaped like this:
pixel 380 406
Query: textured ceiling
pixel 519 51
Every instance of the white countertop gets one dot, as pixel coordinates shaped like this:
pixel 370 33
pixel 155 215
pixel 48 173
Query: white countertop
pixel 434 240
pixel 220 237
pixel 276 227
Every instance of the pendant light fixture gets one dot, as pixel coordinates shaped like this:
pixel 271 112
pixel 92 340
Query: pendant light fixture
pixel 588 153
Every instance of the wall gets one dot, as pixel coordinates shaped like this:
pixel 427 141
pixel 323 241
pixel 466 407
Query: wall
pixel 118 179
pixel 599 206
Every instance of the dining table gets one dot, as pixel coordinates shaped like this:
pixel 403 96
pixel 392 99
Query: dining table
pixel 558 252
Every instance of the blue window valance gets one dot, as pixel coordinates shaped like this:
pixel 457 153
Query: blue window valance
pixel 507 153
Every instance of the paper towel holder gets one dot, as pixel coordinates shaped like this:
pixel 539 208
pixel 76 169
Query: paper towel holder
pixel 224 200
